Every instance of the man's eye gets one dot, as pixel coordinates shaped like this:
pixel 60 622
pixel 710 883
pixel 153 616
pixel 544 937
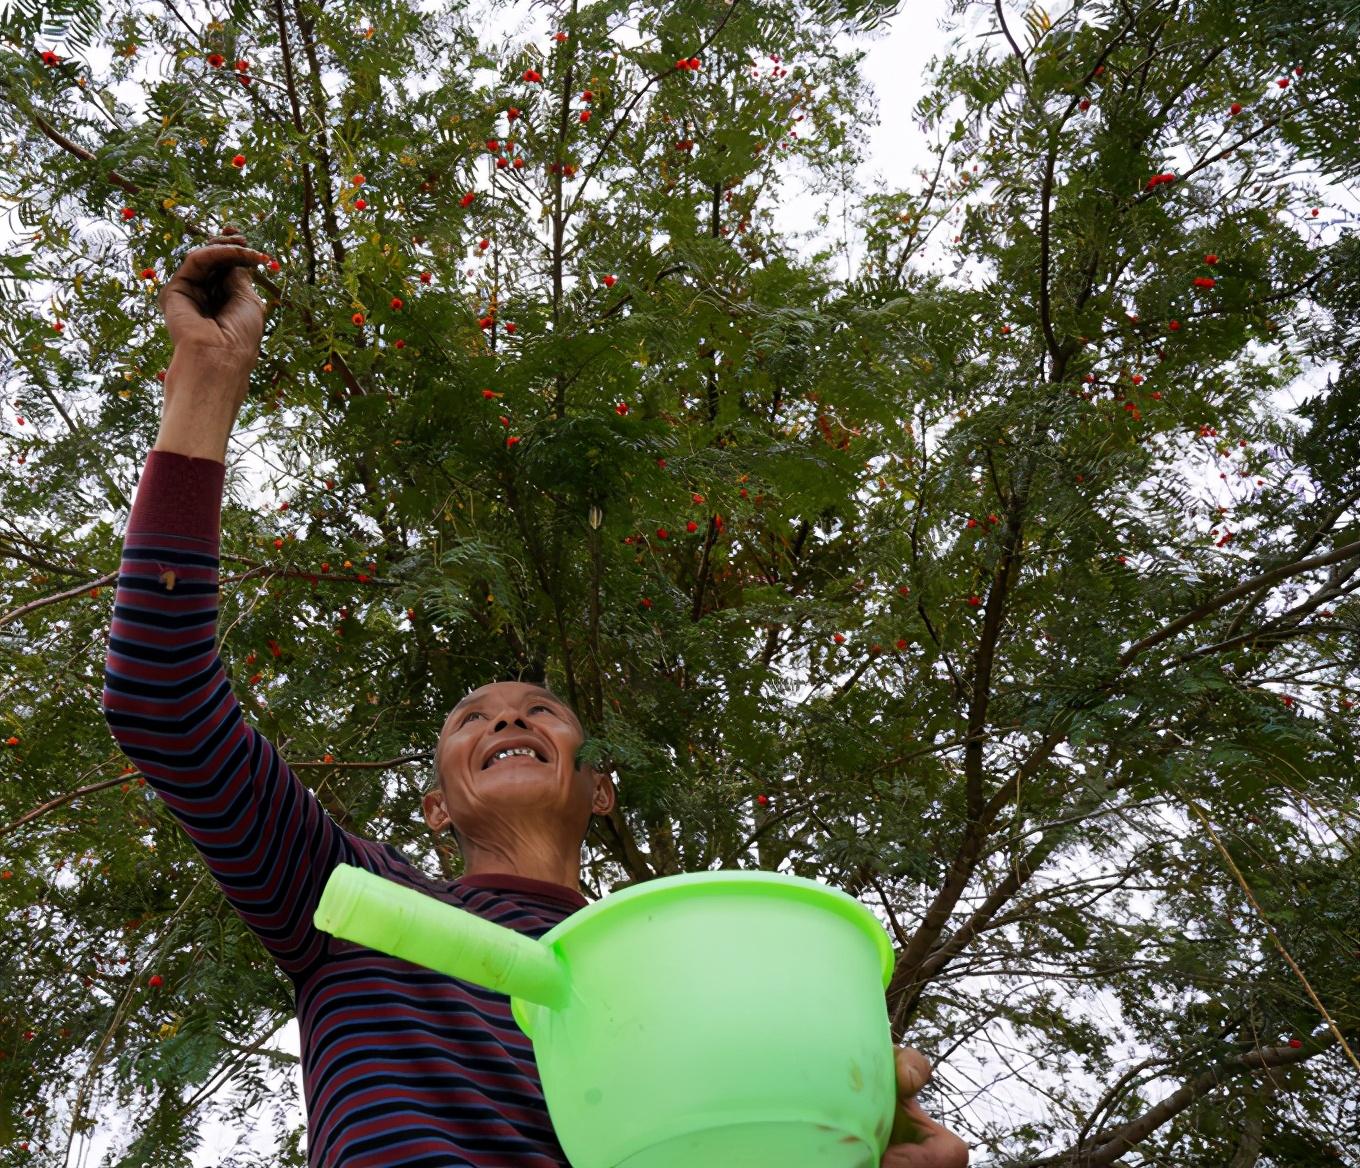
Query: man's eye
pixel 532 709
pixel 469 717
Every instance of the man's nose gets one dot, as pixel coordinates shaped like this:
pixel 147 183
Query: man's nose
pixel 502 722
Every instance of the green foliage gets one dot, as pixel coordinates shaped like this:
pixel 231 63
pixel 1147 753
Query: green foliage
pixel 1084 692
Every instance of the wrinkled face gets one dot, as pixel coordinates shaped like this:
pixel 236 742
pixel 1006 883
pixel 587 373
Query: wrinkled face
pixel 541 734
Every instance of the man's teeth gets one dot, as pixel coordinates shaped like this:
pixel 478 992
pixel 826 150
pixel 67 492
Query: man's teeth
pixel 500 754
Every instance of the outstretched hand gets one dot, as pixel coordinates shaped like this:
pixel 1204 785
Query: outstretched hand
pixel 917 1141
pixel 210 306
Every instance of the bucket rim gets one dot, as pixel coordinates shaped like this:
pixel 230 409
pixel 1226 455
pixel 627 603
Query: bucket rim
pixel 833 898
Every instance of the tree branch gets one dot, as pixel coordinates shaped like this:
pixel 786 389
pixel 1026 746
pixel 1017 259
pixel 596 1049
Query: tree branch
pixel 1265 579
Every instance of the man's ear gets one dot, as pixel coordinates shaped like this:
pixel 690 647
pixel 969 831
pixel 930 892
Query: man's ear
pixel 436 814
pixel 605 795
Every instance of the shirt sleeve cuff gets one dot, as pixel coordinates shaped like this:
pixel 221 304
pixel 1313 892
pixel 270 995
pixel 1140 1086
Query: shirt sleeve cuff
pixel 179 495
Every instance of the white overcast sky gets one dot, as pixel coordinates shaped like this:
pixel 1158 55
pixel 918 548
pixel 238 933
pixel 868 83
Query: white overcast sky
pixel 895 64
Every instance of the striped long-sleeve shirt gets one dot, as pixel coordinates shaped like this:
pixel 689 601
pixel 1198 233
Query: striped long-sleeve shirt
pixel 400 1065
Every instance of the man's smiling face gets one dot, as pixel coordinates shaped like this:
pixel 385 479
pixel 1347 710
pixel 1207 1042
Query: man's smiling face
pixel 506 760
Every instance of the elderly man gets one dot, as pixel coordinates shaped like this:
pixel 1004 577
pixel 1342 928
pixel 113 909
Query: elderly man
pixel 400 1065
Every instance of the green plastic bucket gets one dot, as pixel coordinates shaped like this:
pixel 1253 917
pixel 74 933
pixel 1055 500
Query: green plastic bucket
pixel 728 1019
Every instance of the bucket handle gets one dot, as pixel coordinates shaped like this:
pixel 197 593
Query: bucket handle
pixel 371 910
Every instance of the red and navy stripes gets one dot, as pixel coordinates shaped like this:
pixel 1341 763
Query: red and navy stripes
pixel 400 1065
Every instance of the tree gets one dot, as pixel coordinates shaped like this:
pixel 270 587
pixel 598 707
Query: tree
pixel 959 627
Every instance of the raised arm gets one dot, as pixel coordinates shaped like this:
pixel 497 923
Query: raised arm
pixel 167 699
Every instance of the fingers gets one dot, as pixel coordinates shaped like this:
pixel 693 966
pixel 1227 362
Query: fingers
pixel 938 1147
pixel 230 235
pixel 935 1146
pixel 203 264
pixel 913 1070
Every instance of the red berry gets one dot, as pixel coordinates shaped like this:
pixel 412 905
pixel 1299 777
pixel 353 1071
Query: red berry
pixel 901 644
pixel 466 200
pixel 1283 83
pixel 155 981
pixel 609 281
pixel 1295 1043
pixel 397 303
pixel 839 638
pixel 358 318
pixel 359 204
pixel 238 160
pixel 1211 258
pixel 763 800
pixel 646 602
pixel 1174 326
pixel 691 527
pixel 1204 281
pixel 1084 104
pixel 974 601
pixel 1235 109
pixel 621 408
pixel 511 441
pixel 662 533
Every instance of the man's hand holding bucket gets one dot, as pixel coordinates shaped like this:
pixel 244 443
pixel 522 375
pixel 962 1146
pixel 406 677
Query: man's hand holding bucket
pixel 917 1141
